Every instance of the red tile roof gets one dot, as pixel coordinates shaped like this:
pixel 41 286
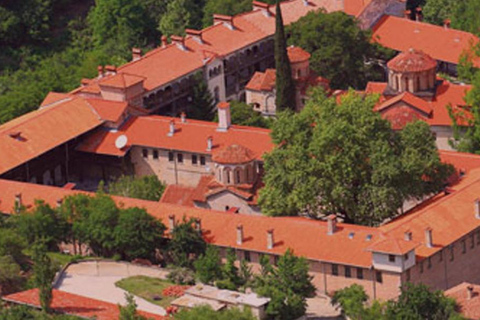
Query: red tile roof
pixel 297 54
pixel 462 161
pixel 355 7
pixel 53 97
pixel 178 194
pixel 121 80
pixel 262 81
pixel 446 94
pixel 470 308
pixel 191 136
pixel 234 154
pixel 412 61
pixel 440 43
pixel 72 304
pixel 394 246
pixel 37 132
pixel 108 110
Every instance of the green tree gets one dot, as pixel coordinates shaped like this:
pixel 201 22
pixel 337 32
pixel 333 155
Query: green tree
pixel 181 14
pixel 75 210
pixel 208 266
pixel 186 244
pixel 226 7
pixel 10 279
pixel 146 187
pixel 202 106
pixel 287 285
pixel 12 244
pixel 284 85
pixel 138 234
pixel 466 16
pixel 243 114
pixel 344 159
pixel 437 11
pixel 230 277
pixel 129 312
pixel 352 300
pixel 339 49
pixel 207 313
pixel 43 273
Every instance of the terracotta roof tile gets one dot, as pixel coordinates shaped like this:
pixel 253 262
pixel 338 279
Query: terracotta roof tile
pixel 233 154
pixel 412 61
pixel 393 246
pixel 470 308
pixel 54 97
pixel 297 54
pixel 72 304
pixel 108 110
pixel 262 81
pixel 440 43
pixel 121 80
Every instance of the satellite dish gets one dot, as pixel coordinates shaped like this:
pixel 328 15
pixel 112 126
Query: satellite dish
pixel 121 141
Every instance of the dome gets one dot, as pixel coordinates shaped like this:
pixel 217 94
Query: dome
pixel 233 154
pixel 412 61
pixel 296 54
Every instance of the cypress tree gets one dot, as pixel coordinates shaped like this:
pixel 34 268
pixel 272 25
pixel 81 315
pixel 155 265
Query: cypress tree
pixel 284 82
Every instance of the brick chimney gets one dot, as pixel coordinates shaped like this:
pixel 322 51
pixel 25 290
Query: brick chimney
pixel 447 23
pixel 264 7
pixel 198 225
pixel 270 239
pixel 209 143
pixel 469 292
pixel 171 222
pixel 183 117
pixel 407 14
pixel 224 117
pixel 179 42
pixel 428 237
pixel 110 70
pixel 225 20
pixel 477 208
pixel 136 54
pixel 419 14
pixel 100 71
pixel 305 3
pixel 331 224
pixel 239 234
pixel 171 128
pixel 164 41
pixel 18 202
pixel 408 235
pixel 195 34
pixel 59 203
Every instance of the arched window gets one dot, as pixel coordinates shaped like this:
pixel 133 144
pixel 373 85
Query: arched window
pixel 406 84
pixel 227 175
pixel 299 73
pixel 418 84
pixel 397 84
pixel 238 176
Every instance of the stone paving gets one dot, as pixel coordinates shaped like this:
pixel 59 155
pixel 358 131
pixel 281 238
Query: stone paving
pixel 320 308
pixel 97 280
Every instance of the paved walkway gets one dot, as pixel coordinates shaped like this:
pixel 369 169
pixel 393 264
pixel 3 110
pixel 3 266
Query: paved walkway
pixel 97 280
pixel 320 308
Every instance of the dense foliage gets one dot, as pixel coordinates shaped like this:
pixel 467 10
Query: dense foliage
pixel 416 302
pixel 462 14
pixel 339 49
pixel 242 114
pixel 186 243
pixel 345 159
pixel 145 187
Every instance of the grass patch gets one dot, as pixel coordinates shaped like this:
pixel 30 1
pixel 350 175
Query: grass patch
pixel 147 288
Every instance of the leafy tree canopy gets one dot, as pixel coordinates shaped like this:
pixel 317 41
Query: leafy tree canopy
pixel 243 114
pixel 146 187
pixel 463 14
pixel 344 159
pixel 339 48
pixel 202 105
pixel 186 243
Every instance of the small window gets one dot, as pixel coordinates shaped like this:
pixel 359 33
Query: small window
pixel 238 176
pixel 464 246
pixel 429 263
pixel 348 272
pixel 452 256
pixel 359 273
pixel 194 159
pixel 335 269
pixel 202 160
pixel 405 256
pixel 145 153
pixel 247 256
pixel 180 157
pixel 170 156
pixel 472 241
pixel 378 276
pixel 155 154
pixel 391 258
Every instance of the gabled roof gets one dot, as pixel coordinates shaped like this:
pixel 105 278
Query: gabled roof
pixel 440 43
pixel 410 99
pixel 191 136
pixel 469 307
pixel 108 110
pixel 121 80
pixel 37 132
pixel 234 154
pixel 262 81
pixel 54 97
pixel 393 246
pixel 72 304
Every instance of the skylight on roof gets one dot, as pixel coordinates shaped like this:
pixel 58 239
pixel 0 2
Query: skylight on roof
pixel 368 237
pixel 350 235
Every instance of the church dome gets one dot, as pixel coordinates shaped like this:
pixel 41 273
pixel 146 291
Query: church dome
pixel 233 154
pixel 296 54
pixel 412 61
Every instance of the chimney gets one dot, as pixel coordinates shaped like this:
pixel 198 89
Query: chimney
pixel 110 70
pixel 226 20
pixel 264 7
pixel 331 224
pixel 164 41
pixel 209 143
pixel 469 292
pixel 59 203
pixel 18 202
pixel 183 117
pixel 408 235
pixel 446 23
pixel 477 208
pixel 305 3
pixel 270 239
pixel 136 54
pixel 100 71
pixel 198 225
pixel 171 222
pixel 195 34
pixel 419 14
pixel 239 234
pixel 179 42
pixel 224 118
pixel 407 14
pixel 171 129
pixel 428 238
